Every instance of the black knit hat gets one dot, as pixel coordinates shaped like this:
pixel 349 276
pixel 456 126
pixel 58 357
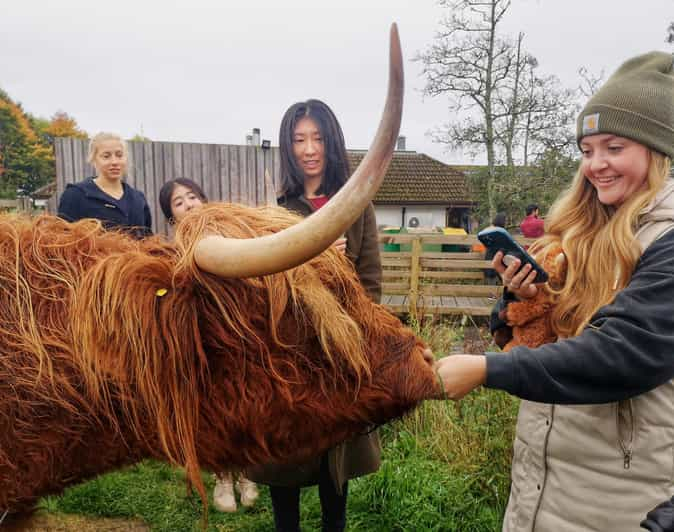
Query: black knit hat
pixel 637 102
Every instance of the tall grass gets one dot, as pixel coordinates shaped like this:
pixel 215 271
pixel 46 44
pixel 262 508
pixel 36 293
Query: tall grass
pixel 445 467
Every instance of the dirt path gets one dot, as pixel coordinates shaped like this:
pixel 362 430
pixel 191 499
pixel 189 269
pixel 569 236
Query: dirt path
pixel 44 522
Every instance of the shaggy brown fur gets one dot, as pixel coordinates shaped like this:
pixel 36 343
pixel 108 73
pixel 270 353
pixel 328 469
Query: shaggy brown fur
pixel 530 318
pixel 97 370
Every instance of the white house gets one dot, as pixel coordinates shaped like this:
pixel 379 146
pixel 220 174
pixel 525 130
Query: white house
pixel 419 191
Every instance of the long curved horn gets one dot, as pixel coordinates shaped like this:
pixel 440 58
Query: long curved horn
pixel 231 257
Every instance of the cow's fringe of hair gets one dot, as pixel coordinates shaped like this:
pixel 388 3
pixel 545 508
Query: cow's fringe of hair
pixel 315 290
pixel 129 355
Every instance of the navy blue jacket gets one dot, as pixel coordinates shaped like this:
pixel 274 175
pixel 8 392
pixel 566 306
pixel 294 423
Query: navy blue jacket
pixel 627 350
pixel 86 200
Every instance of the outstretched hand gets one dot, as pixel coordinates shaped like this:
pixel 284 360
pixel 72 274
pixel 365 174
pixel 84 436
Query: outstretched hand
pixel 461 374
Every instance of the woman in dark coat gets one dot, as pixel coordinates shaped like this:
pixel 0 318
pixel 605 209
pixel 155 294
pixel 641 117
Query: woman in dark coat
pixel 106 196
pixel 314 166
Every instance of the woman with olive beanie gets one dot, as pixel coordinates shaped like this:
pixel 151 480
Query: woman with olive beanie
pixel 594 445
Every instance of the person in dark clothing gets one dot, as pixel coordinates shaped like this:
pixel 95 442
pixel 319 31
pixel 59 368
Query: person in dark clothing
pixel 490 275
pixel 595 431
pixel 314 166
pixel 660 518
pixel 106 197
pixel 532 226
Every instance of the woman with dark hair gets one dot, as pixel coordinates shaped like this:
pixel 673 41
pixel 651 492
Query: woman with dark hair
pixel 179 196
pixel 314 166
pixel 176 198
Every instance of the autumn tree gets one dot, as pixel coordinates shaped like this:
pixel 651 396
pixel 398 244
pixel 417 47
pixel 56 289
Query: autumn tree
pixel 63 125
pixel 26 163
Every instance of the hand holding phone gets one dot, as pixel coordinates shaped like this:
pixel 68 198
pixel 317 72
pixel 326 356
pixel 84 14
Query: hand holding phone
pixel 498 239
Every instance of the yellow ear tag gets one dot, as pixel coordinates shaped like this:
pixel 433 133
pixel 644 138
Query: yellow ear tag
pixel 161 292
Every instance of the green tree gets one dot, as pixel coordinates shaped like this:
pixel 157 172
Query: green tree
pixel 139 137
pixel 26 162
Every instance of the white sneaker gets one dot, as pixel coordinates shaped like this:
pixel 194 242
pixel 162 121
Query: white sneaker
pixel 248 491
pixel 223 495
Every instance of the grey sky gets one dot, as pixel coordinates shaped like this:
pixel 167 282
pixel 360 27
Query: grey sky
pixel 209 71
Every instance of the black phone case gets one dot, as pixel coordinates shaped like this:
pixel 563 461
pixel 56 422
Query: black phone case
pixel 498 239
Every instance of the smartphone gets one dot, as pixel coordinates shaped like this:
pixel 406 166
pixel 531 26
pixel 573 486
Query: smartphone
pixel 498 239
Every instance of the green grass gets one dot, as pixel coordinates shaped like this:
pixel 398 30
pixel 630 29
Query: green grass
pixel 444 468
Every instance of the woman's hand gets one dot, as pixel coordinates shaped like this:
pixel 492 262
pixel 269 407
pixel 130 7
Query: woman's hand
pixel 461 374
pixel 520 283
pixel 340 244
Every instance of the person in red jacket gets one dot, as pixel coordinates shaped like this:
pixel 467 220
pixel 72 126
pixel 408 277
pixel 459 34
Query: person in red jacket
pixel 532 225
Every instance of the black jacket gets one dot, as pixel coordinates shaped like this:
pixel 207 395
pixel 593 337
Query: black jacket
pixel 86 200
pixel 660 518
pixel 626 350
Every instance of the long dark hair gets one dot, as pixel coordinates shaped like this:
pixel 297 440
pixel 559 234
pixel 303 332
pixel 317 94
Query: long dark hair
pixel 337 169
pixel 166 192
pixel 499 220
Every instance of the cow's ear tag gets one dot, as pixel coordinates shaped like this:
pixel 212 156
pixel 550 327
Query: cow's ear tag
pixel 161 292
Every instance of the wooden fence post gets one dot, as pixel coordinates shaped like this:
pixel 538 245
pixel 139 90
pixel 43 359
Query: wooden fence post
pixel 414 276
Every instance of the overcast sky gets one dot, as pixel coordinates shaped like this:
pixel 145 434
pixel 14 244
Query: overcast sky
pixel 210 70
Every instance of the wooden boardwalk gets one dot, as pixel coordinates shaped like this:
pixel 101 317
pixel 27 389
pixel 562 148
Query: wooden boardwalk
pixel 421 279
pixel 475 306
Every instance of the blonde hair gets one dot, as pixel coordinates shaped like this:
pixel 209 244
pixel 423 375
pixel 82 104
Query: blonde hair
pixel 599 243
pixel 95 142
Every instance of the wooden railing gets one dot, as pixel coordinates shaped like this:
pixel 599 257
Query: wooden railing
pixel 434 273
pixel 23 204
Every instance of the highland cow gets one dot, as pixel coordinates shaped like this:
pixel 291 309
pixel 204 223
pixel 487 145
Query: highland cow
pixel 205 352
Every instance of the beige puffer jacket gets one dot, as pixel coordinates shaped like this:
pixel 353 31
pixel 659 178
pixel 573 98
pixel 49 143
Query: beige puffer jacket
pixel 596 467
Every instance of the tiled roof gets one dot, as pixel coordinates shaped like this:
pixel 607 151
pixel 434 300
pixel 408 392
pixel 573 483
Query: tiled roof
pixel 417 178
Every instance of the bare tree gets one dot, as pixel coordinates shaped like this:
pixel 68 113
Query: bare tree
pixel 670 34
pixel 499 102
pixel 469 63
pixel 589 82
pixel 510 105
pixel 550 116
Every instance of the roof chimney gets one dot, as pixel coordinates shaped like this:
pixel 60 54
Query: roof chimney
pixel 256 136
pixel 249 140
pixel 400 146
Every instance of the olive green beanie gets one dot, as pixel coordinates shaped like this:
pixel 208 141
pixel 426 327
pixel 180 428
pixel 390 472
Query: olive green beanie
pixel 636 102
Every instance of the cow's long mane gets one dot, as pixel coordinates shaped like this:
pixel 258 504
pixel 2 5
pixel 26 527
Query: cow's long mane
pixel 109 328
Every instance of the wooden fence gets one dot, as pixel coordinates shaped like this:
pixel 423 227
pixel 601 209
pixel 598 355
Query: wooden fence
pixel 225 172
pixel 24 204
pixel 422 278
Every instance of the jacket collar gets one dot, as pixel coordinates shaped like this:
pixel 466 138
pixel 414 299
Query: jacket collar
pixel 661 207
pixel 92 190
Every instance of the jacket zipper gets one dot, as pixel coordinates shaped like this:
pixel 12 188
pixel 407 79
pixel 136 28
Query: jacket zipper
pixel 626 448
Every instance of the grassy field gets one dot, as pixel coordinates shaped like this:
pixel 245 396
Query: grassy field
pixel 445 467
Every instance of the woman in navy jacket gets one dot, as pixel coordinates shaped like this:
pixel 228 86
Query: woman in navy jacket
pixel 106 197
